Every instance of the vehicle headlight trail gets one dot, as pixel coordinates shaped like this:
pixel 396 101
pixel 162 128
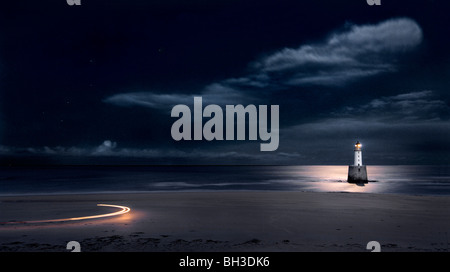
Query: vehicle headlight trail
pixel 123 210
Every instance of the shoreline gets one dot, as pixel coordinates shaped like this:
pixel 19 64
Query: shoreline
pixel 230 221
pixel 209 191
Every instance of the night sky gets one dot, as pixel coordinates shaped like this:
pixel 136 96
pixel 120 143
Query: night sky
pixel 95 84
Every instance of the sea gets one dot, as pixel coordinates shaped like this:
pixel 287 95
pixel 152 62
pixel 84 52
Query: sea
pixel 391 179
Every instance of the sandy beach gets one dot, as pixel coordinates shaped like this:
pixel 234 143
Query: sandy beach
pixel 228 221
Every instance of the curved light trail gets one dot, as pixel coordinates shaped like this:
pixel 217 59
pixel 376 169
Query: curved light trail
pixel 123 210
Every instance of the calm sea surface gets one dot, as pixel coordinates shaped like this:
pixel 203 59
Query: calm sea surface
pixel 425 180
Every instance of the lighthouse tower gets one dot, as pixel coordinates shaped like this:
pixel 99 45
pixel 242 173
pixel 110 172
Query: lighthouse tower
pixel 357 173
pixel 358 154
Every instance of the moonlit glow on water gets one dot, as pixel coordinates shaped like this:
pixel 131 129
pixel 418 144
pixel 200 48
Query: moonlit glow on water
pixel 403 179
pixel 325 179
pixel 334 179
pixel 123 210
pixel 382 179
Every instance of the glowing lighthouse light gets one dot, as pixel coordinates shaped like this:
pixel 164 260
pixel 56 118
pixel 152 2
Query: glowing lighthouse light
pixel 358 154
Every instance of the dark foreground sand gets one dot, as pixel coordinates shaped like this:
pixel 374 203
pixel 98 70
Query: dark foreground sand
pixel 229 221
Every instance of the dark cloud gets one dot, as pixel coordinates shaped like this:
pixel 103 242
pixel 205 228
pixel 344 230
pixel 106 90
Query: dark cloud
pixel 393 129
pixel 401 108
pixel 213 94
pixel 359 51
pixel 110 152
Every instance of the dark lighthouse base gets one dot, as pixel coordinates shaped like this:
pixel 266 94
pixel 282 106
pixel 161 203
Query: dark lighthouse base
pixel 357 174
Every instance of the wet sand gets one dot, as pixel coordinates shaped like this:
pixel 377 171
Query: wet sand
pixel 228 221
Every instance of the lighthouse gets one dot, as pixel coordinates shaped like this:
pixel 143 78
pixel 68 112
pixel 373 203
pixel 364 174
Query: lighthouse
pixel 357 173
pixel 358 154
